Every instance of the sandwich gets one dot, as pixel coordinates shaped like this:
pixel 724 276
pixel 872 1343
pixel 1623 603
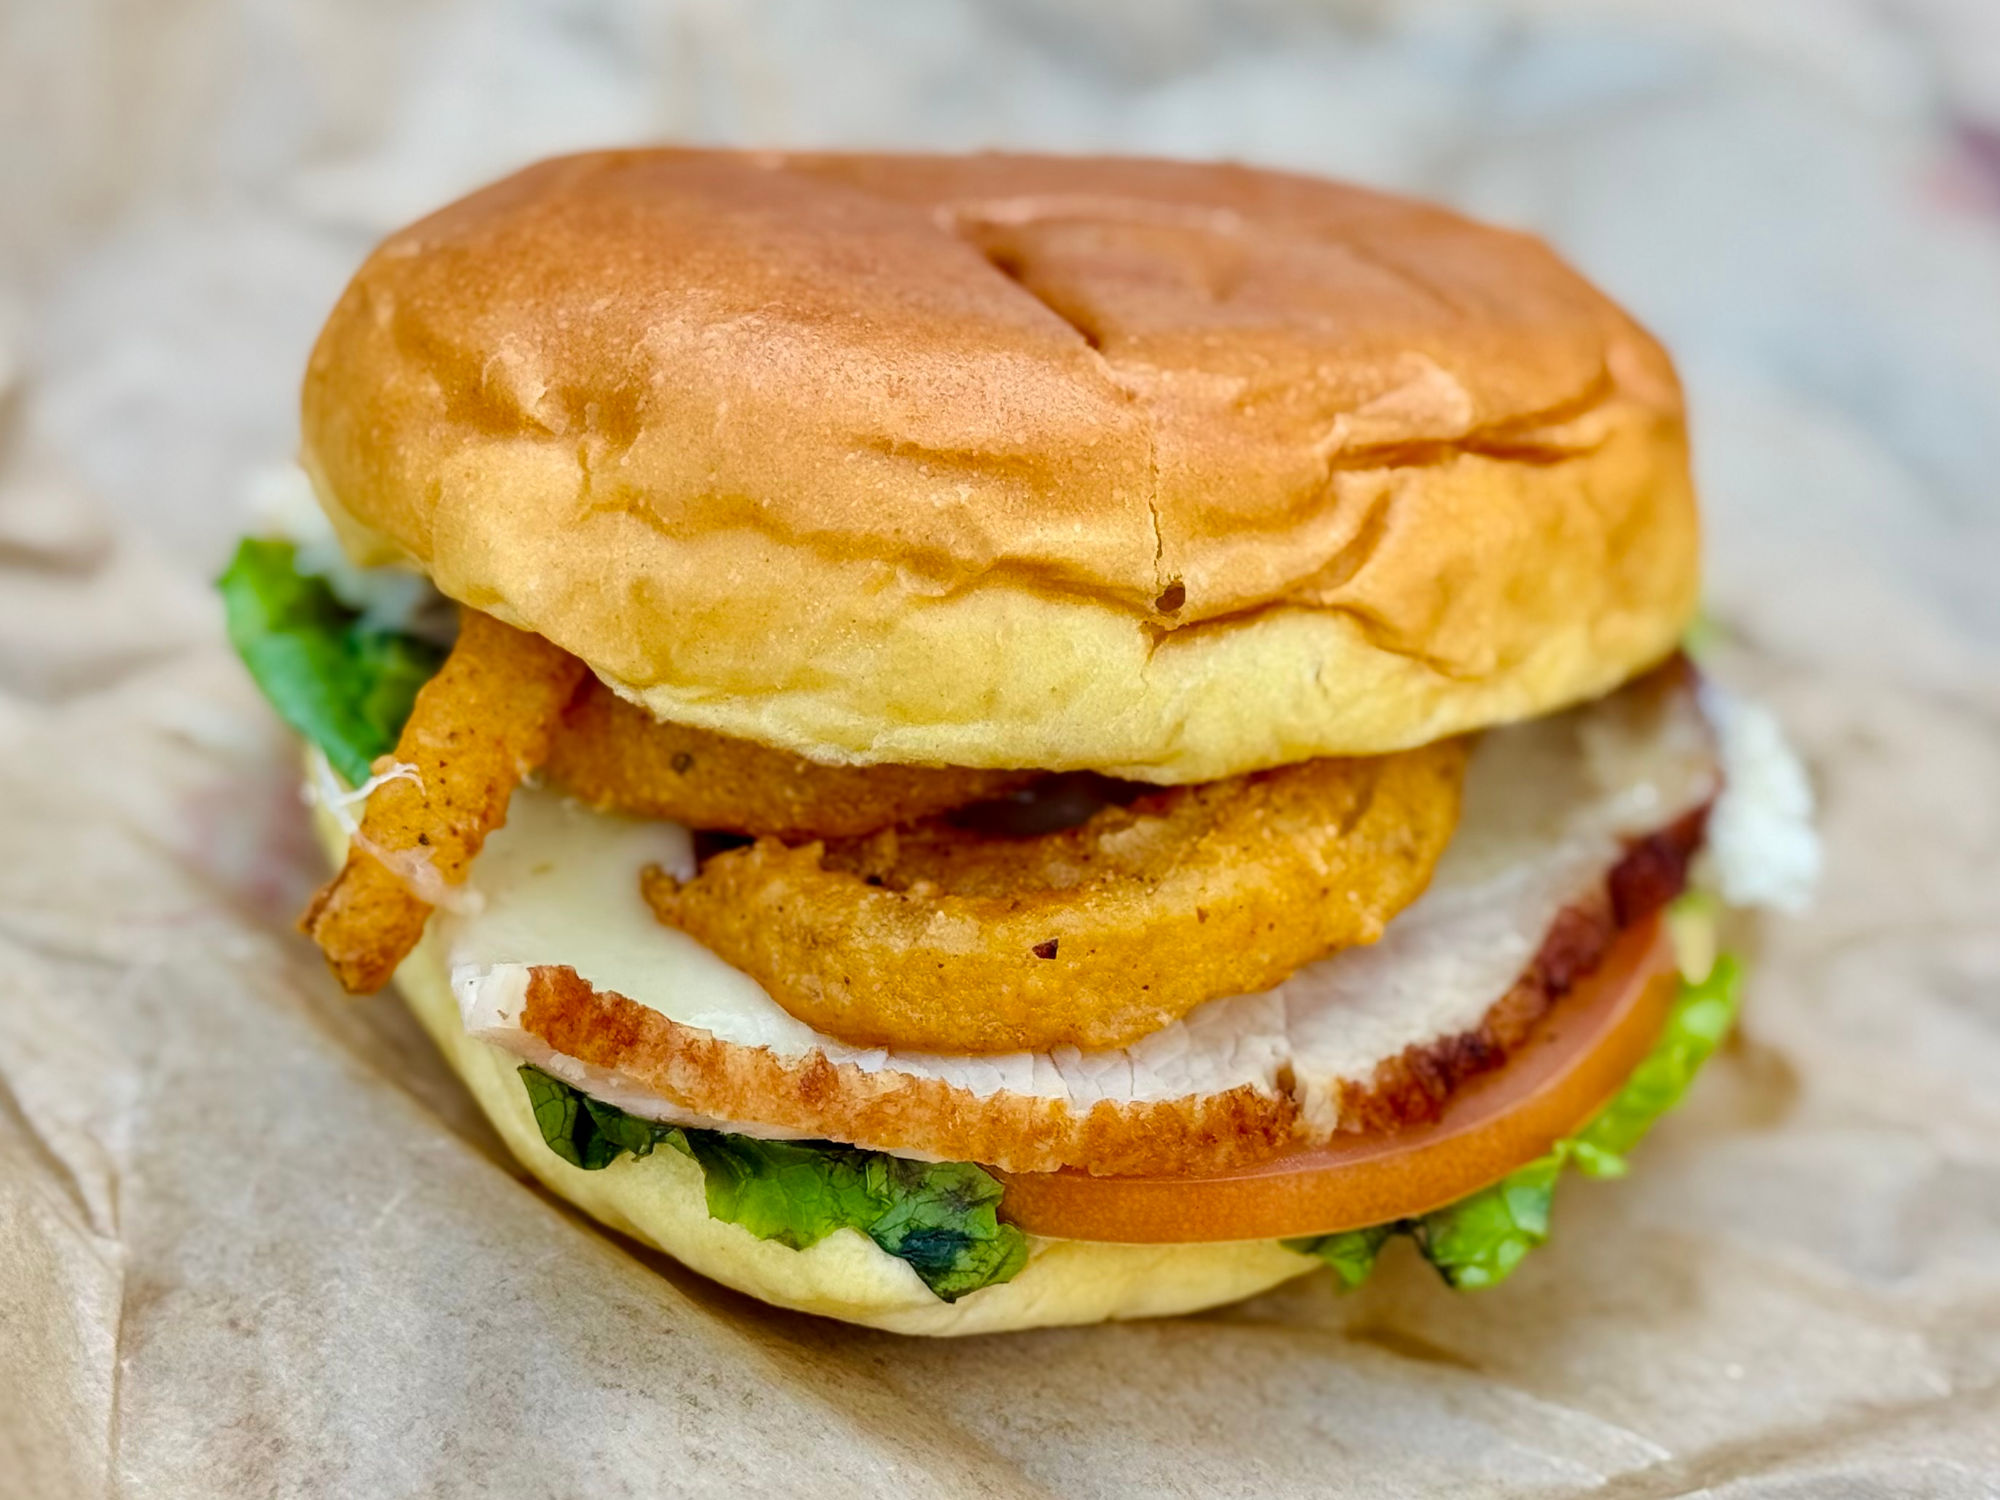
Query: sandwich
pixel 966 743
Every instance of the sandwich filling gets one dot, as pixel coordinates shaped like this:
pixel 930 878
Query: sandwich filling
pixel 1551 810
pixel 796 1007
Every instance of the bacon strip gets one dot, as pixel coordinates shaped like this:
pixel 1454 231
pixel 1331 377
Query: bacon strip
pixel 477 728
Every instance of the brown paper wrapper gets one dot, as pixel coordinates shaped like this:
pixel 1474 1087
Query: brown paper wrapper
pixel 255 1241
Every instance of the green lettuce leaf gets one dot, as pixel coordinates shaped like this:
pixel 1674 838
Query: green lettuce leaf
pixel 344 686
pixel 1703 634
pixel 1479 1240
pixel 940 1217
pixel 586 1132
pixel 1351 1252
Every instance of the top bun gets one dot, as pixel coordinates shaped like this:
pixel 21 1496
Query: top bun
pixel 1163 469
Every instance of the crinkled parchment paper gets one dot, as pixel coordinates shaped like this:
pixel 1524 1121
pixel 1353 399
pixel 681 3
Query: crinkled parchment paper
pixel 253 1241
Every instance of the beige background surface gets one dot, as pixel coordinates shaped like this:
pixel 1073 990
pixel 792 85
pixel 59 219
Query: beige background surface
pixel 252 1241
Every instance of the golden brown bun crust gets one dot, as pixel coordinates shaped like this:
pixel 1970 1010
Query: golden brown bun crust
pixel 1175 470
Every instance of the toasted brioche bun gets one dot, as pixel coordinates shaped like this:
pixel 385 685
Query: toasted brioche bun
pixel 1170 470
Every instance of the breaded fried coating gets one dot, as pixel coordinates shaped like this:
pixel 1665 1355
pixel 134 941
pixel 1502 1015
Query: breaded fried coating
pixel 477 728
pixel 940 938
pixel 618 758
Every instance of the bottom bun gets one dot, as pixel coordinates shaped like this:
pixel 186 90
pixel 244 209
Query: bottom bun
pixel 659 1200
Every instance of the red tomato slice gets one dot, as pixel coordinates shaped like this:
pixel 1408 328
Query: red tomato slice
pixel 1575 1060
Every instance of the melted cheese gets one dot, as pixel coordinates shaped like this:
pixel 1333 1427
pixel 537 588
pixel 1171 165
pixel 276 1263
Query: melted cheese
pixel 1547 806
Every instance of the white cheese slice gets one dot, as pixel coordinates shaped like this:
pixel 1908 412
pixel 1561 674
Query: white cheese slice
pixel 1547 807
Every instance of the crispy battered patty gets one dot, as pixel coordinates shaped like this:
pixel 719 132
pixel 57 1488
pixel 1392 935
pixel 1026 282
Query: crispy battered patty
pixel 619 758
pixel 943 938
